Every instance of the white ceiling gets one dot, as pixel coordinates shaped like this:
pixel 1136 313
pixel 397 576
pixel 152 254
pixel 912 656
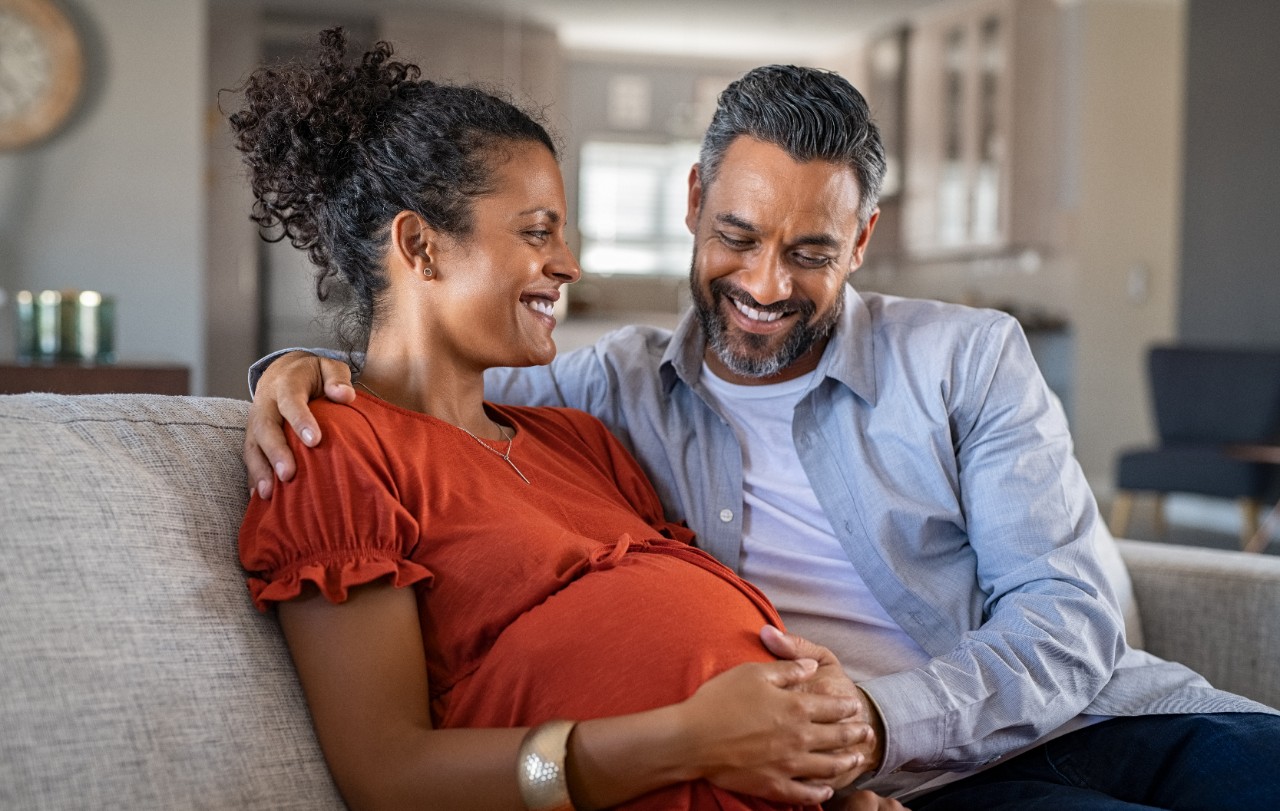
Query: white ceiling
pixel 756 30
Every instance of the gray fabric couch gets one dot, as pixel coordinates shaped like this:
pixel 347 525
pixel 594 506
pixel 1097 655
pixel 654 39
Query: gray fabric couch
pixel 134 672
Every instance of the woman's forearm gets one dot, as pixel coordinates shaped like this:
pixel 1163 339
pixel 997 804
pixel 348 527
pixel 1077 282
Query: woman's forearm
pixel 603 751
pixel 744 730
pixel 610 761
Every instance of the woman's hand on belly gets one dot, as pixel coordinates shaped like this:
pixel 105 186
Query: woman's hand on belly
pixel 830 679
pixel 754 729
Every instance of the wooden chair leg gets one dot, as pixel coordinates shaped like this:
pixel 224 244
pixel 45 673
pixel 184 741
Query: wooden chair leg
pixel 1158 522
pixel 1121 512
pixel 1262 537
pixel 1250 508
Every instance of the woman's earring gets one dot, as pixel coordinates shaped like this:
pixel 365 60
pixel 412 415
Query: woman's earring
pixel 427 272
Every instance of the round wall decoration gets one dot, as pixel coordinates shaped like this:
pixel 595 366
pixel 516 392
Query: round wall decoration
pixel 41 70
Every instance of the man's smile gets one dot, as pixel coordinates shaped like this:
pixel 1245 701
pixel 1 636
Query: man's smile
pixel 752 313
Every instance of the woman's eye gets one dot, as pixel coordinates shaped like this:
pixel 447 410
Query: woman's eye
pixel 538 234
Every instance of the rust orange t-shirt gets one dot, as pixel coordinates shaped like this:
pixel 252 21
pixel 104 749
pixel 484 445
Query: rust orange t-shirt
pixel 567 597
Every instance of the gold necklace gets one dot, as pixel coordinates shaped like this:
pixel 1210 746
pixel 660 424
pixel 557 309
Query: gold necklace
pixel 506 457
pixel 502 429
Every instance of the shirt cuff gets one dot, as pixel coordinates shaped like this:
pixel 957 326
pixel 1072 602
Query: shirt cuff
pixel 914 727
pixel 260 365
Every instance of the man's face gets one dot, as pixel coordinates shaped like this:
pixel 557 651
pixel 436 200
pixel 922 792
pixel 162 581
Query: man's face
pixel 774 242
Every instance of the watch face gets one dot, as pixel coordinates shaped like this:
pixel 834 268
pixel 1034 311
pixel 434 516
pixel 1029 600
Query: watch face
pixel 40 70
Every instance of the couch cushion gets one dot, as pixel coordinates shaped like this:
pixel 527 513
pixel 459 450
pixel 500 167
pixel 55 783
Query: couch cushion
pixel 134 672
pixel 1214 610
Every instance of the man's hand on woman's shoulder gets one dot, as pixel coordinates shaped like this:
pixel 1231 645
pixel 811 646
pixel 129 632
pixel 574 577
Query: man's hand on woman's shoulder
pixel 282 395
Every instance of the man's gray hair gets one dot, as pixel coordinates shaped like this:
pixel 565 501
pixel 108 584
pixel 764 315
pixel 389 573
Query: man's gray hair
pixel 812 114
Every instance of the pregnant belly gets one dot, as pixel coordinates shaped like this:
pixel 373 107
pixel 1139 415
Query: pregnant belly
pixel 644 631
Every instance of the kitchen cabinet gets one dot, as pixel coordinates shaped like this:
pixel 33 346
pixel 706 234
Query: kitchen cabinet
pixel 981 136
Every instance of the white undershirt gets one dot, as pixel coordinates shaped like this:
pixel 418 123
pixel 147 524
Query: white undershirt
pixel 788 548
pixel 790 552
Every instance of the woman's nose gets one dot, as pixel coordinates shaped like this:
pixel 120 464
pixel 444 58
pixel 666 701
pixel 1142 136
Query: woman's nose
pixel 563 266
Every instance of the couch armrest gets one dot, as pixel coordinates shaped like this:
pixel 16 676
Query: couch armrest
pixel 1218 612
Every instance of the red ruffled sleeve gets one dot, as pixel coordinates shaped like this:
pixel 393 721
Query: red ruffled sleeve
pixel 339 523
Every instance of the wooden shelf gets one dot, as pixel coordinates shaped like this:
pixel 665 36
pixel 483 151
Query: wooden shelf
pixel 76 378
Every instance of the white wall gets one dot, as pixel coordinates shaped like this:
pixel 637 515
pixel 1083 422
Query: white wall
pixel 115 203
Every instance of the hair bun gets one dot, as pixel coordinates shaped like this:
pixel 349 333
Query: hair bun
pixel 301 124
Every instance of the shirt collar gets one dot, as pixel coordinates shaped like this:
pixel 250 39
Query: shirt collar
pixel 683 359
pixel 849 356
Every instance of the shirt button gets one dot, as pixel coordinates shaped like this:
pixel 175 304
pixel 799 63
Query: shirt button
pixel 726 515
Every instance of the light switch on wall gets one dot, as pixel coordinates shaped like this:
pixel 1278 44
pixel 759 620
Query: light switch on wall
pixel 1138 283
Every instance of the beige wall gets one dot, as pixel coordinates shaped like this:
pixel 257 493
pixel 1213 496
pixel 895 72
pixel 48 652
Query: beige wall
pixel 1129 113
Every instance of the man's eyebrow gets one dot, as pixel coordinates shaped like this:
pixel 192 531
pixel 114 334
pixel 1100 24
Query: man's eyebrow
pixel 817 240
pixel 736 222
pixel 549 213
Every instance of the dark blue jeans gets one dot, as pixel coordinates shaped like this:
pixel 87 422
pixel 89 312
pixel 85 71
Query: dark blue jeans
pixel 1180 762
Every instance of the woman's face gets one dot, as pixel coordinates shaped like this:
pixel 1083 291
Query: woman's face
pixel 495 287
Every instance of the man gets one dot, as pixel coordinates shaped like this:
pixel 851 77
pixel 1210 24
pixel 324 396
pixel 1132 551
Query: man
pixel 894 475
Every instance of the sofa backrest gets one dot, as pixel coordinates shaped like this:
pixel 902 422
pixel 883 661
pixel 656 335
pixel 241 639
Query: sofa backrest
pixel 134 672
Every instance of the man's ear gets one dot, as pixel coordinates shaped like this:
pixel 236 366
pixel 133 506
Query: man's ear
pixel 695 199
pixel 413 244
pixel 864 237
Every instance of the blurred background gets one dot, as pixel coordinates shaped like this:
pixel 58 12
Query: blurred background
pixel 1102 169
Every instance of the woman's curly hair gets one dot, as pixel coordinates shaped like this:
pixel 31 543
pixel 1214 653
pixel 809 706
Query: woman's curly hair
pixel 335 151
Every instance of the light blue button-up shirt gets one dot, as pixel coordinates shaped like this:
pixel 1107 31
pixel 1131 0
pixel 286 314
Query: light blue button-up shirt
pixel 945 468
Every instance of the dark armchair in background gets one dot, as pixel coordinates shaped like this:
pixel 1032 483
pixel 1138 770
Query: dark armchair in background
pixel 1206 401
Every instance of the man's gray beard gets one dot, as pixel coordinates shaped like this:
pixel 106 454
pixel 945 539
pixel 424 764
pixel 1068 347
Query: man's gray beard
pixel 715 330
